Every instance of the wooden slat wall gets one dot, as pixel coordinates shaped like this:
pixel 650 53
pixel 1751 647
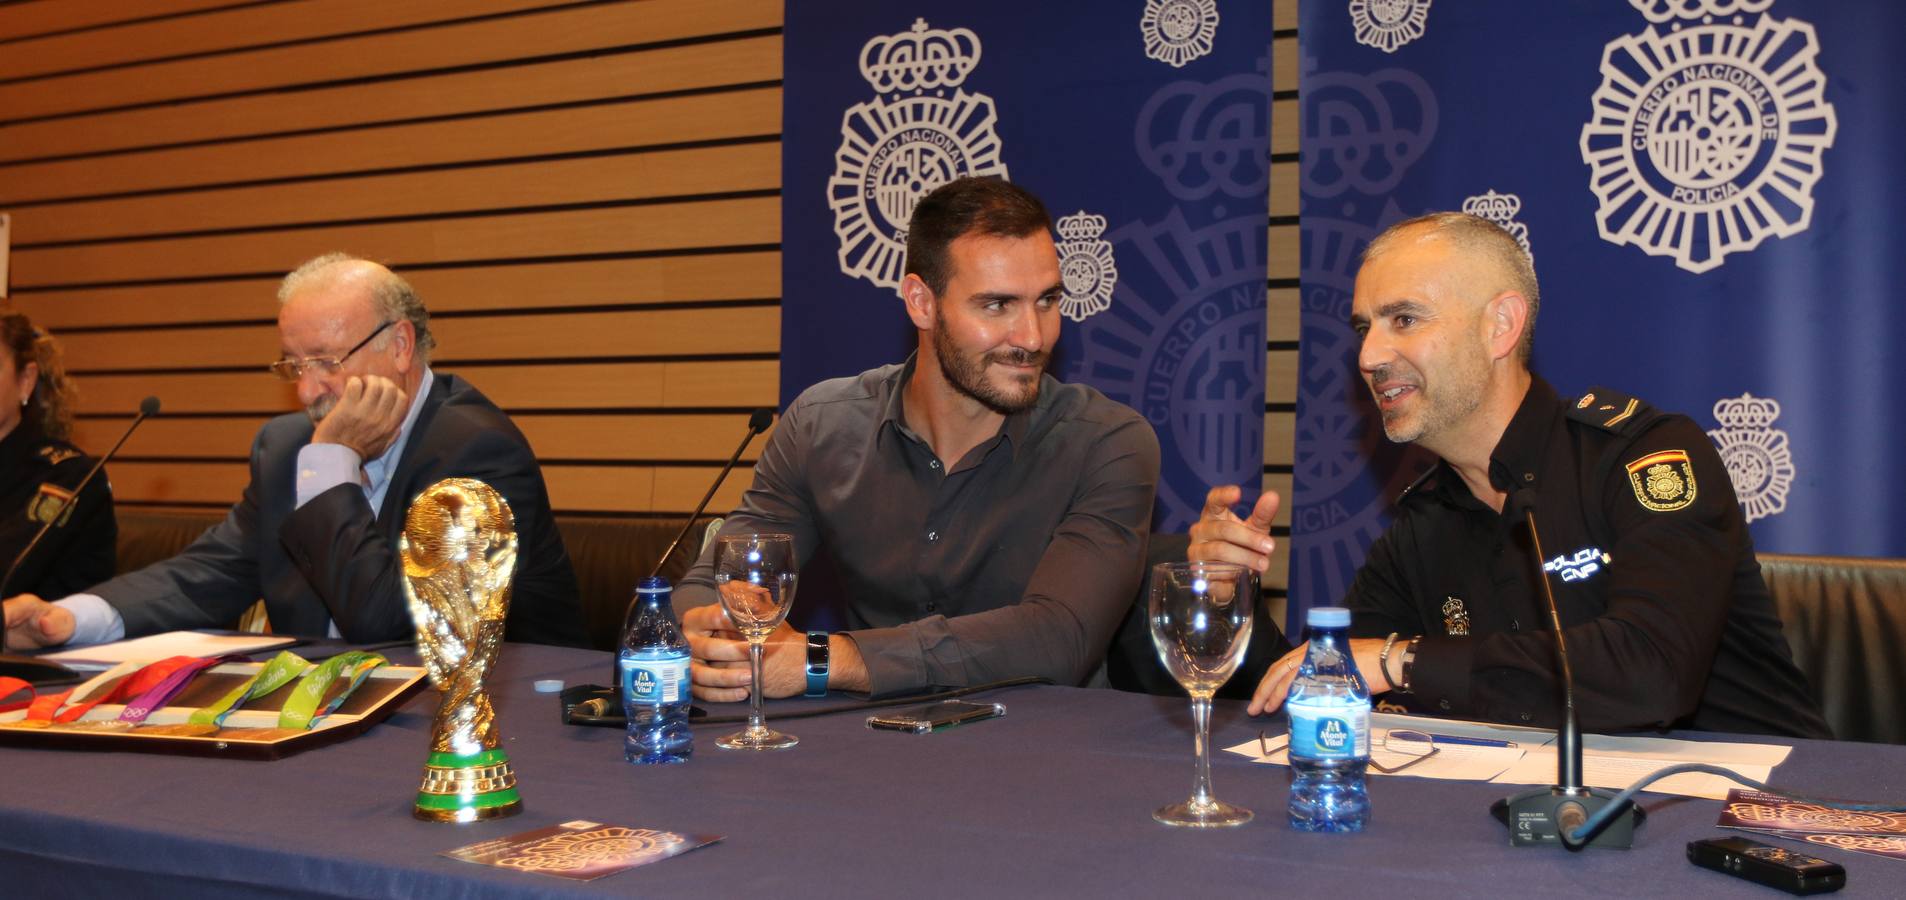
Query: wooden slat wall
pixel 586 193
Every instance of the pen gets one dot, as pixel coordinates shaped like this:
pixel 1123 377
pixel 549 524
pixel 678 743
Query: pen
pixel 1406 735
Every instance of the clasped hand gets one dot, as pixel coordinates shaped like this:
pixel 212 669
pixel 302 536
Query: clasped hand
pixel 718 658
pixel 366 418
pixel 33 623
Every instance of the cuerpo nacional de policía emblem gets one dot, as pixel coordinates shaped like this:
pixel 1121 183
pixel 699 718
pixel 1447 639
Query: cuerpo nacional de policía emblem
pixel 1501 209
pixel 911 138
pixel 1389 24
pixel 1086 265
pixel 1707 139
pixel 1758 460
pixel 1178 31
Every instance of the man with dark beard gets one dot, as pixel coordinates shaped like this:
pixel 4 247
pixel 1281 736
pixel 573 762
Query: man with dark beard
pixel 985 521
pixel 315 534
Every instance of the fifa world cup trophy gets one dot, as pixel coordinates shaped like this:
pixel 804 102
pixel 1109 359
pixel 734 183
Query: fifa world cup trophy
pixel 459 551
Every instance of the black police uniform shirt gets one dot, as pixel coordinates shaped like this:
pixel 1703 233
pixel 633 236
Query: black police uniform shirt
pixel 1668 622
pixel 36 474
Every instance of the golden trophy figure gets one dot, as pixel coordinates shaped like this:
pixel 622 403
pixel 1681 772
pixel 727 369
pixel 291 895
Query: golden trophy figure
pixel 459 550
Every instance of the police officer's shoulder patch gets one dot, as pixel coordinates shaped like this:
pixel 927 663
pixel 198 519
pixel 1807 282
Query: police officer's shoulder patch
pixel 50 500
pixel 1663 480
pixel 59 453
pixel 1611 410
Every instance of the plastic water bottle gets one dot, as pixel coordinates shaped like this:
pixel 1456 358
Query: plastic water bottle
pixel 653 664
pixel 1330 730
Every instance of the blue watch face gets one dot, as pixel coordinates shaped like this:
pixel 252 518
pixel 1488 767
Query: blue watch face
pixel 816 664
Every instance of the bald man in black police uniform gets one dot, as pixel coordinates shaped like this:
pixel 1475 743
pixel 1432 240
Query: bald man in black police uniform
pixel 1668 622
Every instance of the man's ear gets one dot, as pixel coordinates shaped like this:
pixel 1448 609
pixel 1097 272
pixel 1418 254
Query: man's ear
pixel 403 349
pixel 920 301
pixel 1506 315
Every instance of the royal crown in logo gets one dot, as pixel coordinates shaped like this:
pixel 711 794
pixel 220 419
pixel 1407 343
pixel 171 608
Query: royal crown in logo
pixel 1202 138
pixel 1758 460
pixel 904 143
pixel 1659 11
pixel 1178 31
pixel 1708 139
pixel 1389 24
pixel 1501 209
pixel 1367 131
pixel 1085 263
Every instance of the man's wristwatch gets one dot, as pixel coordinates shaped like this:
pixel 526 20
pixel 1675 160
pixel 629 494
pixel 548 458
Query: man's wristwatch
pixel 816 664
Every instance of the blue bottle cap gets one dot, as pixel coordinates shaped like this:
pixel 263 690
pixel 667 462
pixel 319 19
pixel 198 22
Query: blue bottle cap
pixel 654 584
pixel 1328 617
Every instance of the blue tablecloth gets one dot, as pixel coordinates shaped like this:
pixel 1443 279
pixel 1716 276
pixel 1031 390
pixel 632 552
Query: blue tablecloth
pixel 1055 799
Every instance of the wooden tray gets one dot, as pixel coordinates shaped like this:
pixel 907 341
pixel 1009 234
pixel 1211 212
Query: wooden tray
pixel 250 733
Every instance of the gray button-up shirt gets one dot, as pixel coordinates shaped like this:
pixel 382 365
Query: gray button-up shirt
pixel 1020 559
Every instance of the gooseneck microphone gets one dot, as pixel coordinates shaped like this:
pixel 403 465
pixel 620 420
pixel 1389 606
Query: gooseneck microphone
pixel 1556 814
pixel 757 423
pixel 28 668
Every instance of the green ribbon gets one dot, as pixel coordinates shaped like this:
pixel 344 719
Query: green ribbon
pixel 301 709
pixel 275 674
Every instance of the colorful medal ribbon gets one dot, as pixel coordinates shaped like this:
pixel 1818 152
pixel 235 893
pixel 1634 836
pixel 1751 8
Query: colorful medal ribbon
pixel 133 679
pixel 142 705
pixel 301 711
pixel 274 675
pixel 11 686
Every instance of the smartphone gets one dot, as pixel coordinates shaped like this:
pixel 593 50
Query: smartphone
pixel 937 717
pixel 1776 867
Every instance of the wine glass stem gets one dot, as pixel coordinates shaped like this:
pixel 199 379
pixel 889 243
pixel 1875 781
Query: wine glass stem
pixel 756 720
pixel 1201 728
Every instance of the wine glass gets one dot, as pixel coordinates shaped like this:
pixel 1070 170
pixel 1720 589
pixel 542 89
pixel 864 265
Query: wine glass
pixel 1200 615
pixel 754 577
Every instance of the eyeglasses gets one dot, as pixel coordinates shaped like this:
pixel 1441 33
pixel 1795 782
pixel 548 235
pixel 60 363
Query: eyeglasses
pixel 1424 749
pixel 290 369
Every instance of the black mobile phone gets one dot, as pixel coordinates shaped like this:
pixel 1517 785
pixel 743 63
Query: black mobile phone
pixel 1777 867
pixel 937 717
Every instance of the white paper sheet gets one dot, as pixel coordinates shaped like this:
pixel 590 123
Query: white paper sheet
pixel 169 644
pixel 1608 761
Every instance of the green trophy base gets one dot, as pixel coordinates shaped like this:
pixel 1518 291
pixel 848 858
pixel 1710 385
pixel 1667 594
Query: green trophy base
pixel 468 788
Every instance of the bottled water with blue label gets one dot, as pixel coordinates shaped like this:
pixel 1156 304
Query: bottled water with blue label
pixel 1330 730
pixel 653 665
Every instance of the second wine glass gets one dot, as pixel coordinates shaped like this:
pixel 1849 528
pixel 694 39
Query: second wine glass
pixel 755 578
pixel 1200 615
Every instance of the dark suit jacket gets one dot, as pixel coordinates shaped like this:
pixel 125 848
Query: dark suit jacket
pixel 331 559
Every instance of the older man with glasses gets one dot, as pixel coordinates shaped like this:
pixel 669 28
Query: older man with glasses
pixel 315 534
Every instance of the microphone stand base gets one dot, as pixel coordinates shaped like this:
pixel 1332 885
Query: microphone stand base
pixel 1538 818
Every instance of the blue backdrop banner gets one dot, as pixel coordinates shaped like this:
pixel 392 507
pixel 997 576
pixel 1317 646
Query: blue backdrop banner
pixel 1143 124
pixel 1708 190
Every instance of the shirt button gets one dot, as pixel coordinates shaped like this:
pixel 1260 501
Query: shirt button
pixel 933 535
pixel 1444 704
pixel 931 607
pixel 1528 476
pixel 1525 717
pixel 934 464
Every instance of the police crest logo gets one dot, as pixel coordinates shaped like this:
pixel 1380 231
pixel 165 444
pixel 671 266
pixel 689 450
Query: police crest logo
pixel 1502 210
pixel 1758 460
pixel 1663 481
pixel 1178 31
pixel 49 501
pixel 1086 265
pixel 1389 24
pixel 911 138
pixel 1455 617
pixel 1707 139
